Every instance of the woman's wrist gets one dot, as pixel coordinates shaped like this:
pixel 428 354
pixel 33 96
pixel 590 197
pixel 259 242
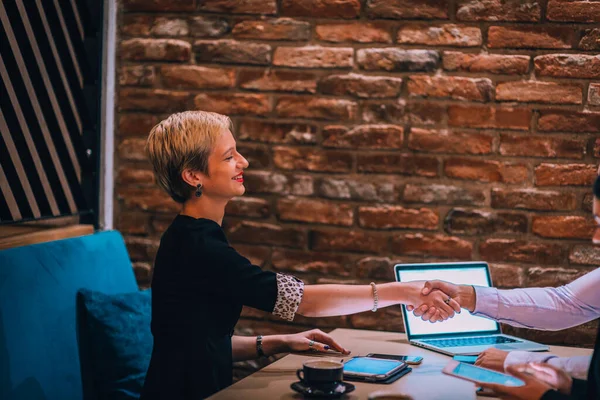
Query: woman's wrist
pixel 274 344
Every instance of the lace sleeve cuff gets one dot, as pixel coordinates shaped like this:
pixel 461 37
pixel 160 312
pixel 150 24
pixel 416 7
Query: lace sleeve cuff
pixel 289 295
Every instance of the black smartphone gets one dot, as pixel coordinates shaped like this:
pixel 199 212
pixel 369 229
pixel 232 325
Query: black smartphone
pixel 465 359
pixel 410 360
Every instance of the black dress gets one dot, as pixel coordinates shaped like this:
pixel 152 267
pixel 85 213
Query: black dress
pixel 199 286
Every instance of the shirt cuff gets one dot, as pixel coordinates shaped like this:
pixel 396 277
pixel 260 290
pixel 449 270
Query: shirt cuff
pixel 289 295
pixel 486 301
pixel 522 357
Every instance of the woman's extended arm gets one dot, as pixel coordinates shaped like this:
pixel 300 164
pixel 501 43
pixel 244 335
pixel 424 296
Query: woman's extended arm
pixel 329 300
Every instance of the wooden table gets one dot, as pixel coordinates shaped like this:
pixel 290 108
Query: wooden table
pixel 426 381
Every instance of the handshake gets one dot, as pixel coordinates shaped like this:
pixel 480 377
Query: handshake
pixel 435 301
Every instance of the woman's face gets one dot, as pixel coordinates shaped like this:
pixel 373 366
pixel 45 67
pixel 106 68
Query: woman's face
pixel 225 169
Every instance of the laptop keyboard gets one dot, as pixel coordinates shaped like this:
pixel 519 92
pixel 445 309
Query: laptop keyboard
pixel 470 341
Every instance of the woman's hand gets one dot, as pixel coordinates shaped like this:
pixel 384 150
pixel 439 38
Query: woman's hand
pixel 438 304
pixel 314 339
pixel 533 389
pixel 492 359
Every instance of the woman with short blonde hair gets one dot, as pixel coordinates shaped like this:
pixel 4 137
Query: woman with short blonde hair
pixel 200 283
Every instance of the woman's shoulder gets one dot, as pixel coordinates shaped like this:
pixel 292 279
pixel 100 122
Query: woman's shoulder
pixel 197 231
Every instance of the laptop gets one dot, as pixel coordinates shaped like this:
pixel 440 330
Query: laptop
pixel 465 334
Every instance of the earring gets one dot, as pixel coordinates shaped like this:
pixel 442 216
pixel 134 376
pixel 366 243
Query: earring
pixel 199 190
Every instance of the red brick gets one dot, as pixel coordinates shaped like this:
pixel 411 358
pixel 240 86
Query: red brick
pixel 351 188
pixel 380 268
pixel 485 170
pixel 499 10
pixel 204 26
pixel 316 107
pixel 136 25
pixel 173 27
pixel 155 50
pixel 133 223
pixel 490 63
pixel 439 35
pixel 265 234
pixel 384 112
pixel 233 103
pixel 358 32
pixel 585 255
pixel 159 5
pixel 136 124
pixel 506 276
pixel 274 132
pixel 196 77
pixel 140 248
pixel 321 211
pixel 314 57
pixel 143 273
pixel 533 199
pixel 426 113
pixel 391 217
pixel 153 100
pixel 389 319
pixel 478 222
pixel 540 37
pixel 323 263
pixel 587 202
pixel 594 94
pixel 257 155
pixel 489 117
pixel 248 207
pixel 257 255
pixel 129 175
pixel 569 121
pixel 363 136
pixel 442 194
pixel 147 199
pixel 573 10
pixel 597 148
pixel 544 277
pixel 361 86
pixel 564 227
pixel 590 40
pixel 239 7
pixel 541 146
pixel 454 87
pixel 231 51
pixel 447 141
pixel 568 66
pixel 395 59
pixel 352 241
pixel 540 92
pixel 272 29
pixel 406 9
pixel 132 149
pixel 275 80
pixel 321 8
pixel 137 75
pixel 312 159
pixel 432 246
pixel 274 182
pixel 565 174
pixel 403 164
pixel 522 251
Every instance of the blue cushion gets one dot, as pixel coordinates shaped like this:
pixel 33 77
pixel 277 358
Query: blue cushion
pixel 39 352
pixel 117 331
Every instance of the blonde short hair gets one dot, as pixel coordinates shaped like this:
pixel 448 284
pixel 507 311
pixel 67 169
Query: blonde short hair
pixel 183 140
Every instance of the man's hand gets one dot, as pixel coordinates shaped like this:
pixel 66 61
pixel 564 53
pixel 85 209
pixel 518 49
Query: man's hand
pixel 462 294
pixel 440 305
pixel 533 389
pixel 555 377
pixel 492 359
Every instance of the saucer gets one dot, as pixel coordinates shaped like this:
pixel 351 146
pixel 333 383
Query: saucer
pixel 327 390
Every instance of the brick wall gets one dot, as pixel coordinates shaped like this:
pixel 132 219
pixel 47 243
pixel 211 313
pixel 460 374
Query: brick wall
pixel 377 131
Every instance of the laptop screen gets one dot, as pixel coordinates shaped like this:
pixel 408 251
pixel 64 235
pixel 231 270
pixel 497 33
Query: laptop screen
pixel 459 273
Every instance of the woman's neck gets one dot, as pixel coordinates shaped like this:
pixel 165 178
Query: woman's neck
pixel 205 207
